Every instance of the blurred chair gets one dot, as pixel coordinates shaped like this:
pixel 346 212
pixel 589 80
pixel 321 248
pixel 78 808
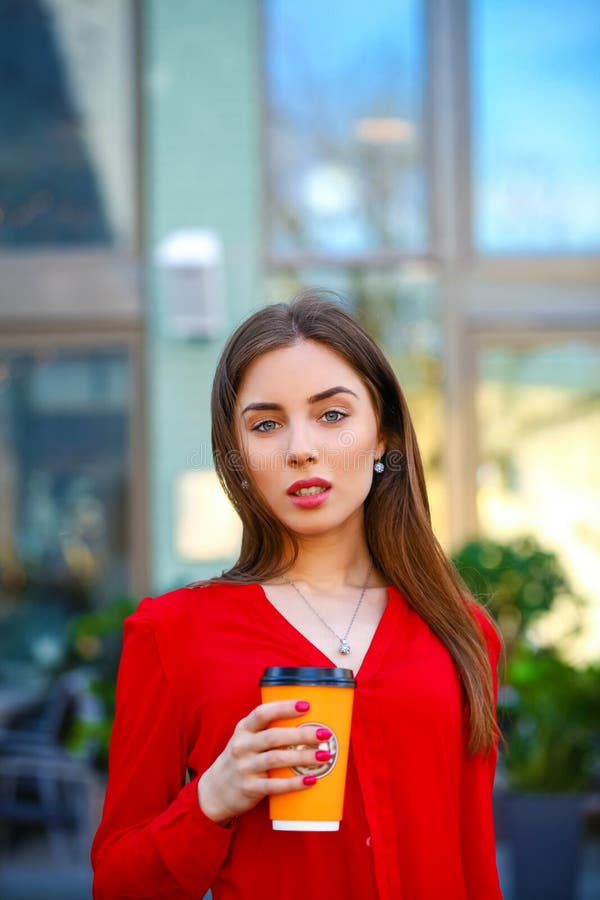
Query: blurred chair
pixel 53 792
pixel 41 783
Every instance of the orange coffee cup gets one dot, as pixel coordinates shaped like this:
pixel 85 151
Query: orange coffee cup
pixel 330 692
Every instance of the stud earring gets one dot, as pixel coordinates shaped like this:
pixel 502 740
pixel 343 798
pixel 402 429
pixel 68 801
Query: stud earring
pixel 379 466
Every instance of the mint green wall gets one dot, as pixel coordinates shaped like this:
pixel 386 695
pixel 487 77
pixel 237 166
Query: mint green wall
pixel 202 115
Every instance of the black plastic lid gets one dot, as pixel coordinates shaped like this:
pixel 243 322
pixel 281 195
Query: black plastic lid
pixel 326 675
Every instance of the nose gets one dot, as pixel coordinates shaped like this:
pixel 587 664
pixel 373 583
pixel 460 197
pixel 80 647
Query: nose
pixel 295 459
pixel 299 453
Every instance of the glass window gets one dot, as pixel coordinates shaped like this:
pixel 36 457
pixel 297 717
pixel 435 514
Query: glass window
pixel 344 85
pixel 536 126
pixel 66 123
pixel 399 306
pixel 64 493
pixel 538 411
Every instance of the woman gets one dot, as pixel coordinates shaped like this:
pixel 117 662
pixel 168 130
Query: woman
pixel 314 445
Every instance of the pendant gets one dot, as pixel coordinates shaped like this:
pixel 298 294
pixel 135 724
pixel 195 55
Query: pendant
pixel 344 648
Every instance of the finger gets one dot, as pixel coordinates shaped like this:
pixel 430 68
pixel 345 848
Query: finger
pixel 272 786
pixel 261 716
pixel 284 737
pixel 284 758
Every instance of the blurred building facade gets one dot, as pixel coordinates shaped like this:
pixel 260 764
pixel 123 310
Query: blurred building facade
pixel 435 162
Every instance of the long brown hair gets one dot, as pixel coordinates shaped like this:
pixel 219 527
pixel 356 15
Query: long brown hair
pixel 396 511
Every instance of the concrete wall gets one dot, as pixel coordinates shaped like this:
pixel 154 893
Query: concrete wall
pixel 202 120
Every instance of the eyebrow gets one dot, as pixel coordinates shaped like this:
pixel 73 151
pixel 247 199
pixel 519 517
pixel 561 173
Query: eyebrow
pixel 322 395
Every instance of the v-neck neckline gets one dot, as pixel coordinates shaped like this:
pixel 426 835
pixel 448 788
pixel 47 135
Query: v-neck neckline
pixel 381 636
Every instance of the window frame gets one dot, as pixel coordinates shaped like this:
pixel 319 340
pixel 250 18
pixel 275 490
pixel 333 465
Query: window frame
pixel 521 297
pixel 105 336
pixel 43 281
pixel 274 262
pixel 58 297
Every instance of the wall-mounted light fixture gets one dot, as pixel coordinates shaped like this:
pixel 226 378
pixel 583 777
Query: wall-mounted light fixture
pixel 193 303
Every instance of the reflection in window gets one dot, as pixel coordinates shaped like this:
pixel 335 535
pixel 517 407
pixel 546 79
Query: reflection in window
pixel 345 126
pixel 399 307
pixel 64 495
pixel 64 141
pixel 536 127
pixel 539 470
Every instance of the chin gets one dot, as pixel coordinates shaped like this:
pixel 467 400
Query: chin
pixel 322 524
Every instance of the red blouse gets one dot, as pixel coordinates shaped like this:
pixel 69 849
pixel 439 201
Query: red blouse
pixel 417 819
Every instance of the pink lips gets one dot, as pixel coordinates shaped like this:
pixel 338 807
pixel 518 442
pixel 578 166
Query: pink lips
pixel 309 501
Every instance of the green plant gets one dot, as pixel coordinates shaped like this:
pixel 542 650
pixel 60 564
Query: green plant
pixel 551 715
pixel 96 640
pixel 549 710
pixel 519 581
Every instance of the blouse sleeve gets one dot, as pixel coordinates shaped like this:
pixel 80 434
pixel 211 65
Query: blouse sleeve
pixel 153 841
pixel 477 820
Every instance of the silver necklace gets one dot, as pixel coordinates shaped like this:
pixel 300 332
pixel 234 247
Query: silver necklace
pixel 343 647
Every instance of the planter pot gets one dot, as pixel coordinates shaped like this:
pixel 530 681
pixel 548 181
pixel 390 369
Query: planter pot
pixel 545 833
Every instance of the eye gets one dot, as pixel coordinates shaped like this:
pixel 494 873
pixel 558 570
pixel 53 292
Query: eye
pixel 334 412
pixel 267 423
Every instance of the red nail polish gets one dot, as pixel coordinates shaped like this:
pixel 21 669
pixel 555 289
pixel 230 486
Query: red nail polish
pixel 309 779
pixel 323 755
pixel 323 734
pixel 302 706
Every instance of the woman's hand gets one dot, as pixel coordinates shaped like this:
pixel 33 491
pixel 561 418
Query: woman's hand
pixel 238 780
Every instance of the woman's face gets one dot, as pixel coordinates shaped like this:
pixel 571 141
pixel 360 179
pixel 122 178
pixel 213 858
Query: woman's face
pixel 304 415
